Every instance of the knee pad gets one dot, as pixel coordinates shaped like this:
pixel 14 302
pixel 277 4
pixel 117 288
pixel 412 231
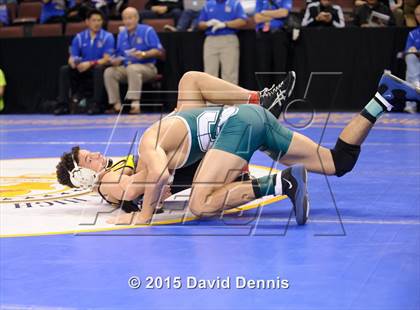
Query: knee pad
pixel 344 156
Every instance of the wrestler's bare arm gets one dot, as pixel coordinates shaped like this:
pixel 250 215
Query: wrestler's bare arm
pixel 157 178
pixel 116 186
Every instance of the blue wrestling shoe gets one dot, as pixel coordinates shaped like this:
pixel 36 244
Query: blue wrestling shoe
pixel 276 97
pixel 294 183
pixel 395 91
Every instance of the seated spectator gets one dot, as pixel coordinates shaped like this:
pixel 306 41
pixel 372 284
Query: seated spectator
pixel 90 52
pixel 115 8
pixel 101 5
pixel 409 16
pixel 138 48
pixel 412 59
pixel 4 15
pixel 162 9
pixel 78 12
pixel 188 21
pixel 323 14
pixel 2 88
pixel 364 15
pixel 52 11
pixel 394 5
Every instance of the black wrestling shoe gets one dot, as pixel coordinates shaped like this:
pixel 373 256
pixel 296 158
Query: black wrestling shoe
pixel 94 109
pixel 274 99
pixel 61 109
pixel 294 183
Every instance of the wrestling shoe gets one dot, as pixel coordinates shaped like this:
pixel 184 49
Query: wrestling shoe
pixel 274 99
pixel 394 92
pixel 294 183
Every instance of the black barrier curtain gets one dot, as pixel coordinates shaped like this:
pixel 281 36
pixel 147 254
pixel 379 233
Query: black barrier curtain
pixel 347 62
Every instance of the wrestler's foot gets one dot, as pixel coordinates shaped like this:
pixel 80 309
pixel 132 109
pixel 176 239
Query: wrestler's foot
pixel 394 92
pixel 275 98
pixel 294 182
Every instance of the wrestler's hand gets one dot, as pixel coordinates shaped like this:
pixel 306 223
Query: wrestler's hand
pixel 166 193
pixel 122 219
pixel 141 219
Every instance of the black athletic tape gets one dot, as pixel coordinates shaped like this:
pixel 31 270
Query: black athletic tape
pixel 344 156
pixel 368 116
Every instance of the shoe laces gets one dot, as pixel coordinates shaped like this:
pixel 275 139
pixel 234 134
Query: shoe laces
pixel 266 91
pixel 275 90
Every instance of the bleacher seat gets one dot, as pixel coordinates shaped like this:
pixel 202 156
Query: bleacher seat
pixel 159 23
pixel 138 4
pixel 346 5
pixel 11 32
pixel 299 6
pixel 74 28
pixel 28 12
pixel 114 26
pixel 47 30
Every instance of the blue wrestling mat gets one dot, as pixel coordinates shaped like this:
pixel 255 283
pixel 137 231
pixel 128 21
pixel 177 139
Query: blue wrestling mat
pixel 360 249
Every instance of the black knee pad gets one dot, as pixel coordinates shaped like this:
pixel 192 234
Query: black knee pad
pixel 344 156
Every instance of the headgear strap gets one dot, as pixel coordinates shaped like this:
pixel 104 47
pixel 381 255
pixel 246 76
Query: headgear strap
pixel 82 177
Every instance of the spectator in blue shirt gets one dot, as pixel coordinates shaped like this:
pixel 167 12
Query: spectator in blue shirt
pixel 90 52
pixel 138 48
pixel 221 19
pixel 4 15
pixel 188 21
pixel 78 10
pixel 412 48
pixel 272 42
pixel 52 11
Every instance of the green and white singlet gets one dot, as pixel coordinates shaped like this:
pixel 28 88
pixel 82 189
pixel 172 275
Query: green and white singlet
pixel 239 130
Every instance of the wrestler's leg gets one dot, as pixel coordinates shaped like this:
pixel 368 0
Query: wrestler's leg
pixel 214 190
pixel 217 169
pixel 343 157
pixel 195 88
pixel 319 159
pixel 314 157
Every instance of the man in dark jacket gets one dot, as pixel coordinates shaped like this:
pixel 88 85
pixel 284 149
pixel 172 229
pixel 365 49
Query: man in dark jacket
pixel 162 9
pixel 362 15
pixel 323 14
